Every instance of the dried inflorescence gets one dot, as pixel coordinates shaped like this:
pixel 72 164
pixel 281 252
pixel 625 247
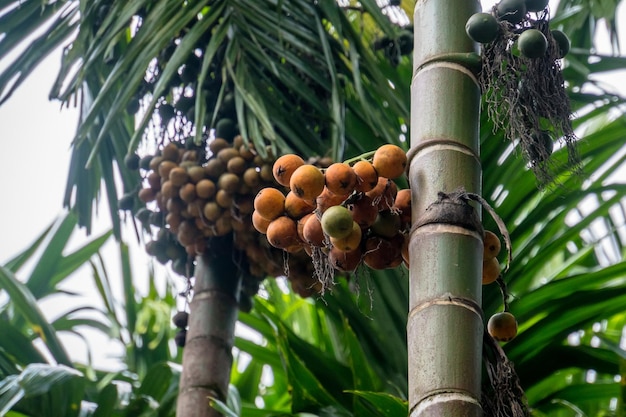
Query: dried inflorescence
pixel 526 97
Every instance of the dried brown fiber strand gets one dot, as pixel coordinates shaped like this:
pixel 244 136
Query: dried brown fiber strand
pixel 526 98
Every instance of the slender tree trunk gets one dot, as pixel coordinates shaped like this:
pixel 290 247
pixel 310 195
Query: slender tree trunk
pixel 207 358
pixel 445 326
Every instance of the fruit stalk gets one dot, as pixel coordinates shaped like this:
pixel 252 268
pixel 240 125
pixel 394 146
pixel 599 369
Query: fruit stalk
pixel 445 326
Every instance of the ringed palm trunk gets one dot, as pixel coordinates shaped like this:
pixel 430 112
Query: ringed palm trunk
pixel 445 324
pixel 207 357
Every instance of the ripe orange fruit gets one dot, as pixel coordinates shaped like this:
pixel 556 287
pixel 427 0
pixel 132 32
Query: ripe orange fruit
pixel 337 222
pixel 307 182
pixel 269 203
pixel 367 177
pixel 295 207
pixel 390 161
pixel 327 199
pixel 491 270
pixel 491 245
pixel 502 326
pixel 350 242
pixel 284 168
pixel 260 223
pixel 301 222
pixel 340 178
pixel 282 232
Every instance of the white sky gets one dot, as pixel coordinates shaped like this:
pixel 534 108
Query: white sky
pixel 36 136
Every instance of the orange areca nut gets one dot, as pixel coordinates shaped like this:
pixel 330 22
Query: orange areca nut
pixel 340 178
pixel 296 207
pixel 307 182
pixel 502 326
pixel 269 203
pixel 282 233
pixel 491 245
pixel 284 168
pixel 328 199
pixel 390 161
pixel 491 270
pixel 259 222
pixel 300 223
pixel 367 177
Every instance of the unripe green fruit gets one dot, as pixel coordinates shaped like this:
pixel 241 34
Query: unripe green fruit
pixel 337 222
pixel 131 161
pixel 532 43
pixel 536 5
pixel 512 11
pixel 482 27
pixel 562 41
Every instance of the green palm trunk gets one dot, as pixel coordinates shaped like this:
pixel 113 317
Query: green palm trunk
pixel 445 324
pixel 207 358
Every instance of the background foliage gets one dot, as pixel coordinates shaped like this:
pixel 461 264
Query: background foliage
pixel 343 354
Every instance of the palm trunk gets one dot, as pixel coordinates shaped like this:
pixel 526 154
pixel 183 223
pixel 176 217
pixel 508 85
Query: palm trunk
pixel 207 358
pixel 445 325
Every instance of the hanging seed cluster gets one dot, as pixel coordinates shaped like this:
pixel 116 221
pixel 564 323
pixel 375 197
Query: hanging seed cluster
pixel 199 198
pixel 343 216
pixel 522 81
